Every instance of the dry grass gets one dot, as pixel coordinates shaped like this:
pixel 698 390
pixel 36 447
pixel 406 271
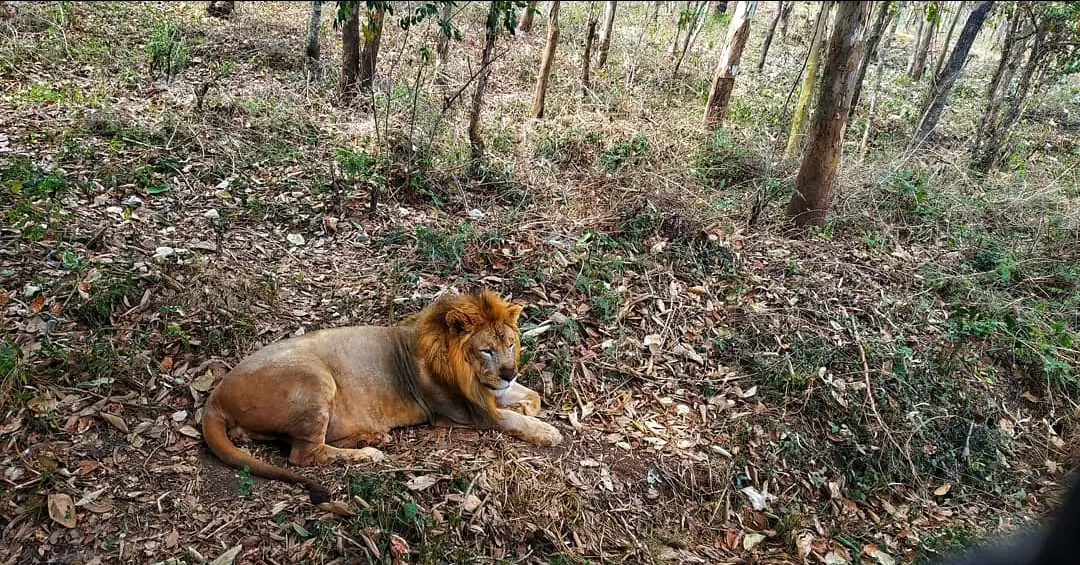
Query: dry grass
pixel 921 339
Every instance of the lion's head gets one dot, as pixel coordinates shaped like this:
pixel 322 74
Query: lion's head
pixel 470 346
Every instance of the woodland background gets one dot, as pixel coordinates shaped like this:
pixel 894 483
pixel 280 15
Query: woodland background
pixel 801 278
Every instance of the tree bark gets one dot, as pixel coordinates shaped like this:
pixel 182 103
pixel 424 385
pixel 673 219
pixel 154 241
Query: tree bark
pixel 350 59
pixel 546 61
pixel 678 32
pixel 526 23
pixel 918 67
pixel 699 12
pixel 1002 76
pixel 995 137
pixel 817 174
pixel 920 16
pixel 817 45
pixel 728 66
pixel 442 47
pixel 785 16
pixel 948 39
pixel 313 49
pixel 877 31
pixel 769 36
pixel 651 20
pixel 476 142
pixel 943 82
pixel 586 57
pixel 369 53
pixel 605 33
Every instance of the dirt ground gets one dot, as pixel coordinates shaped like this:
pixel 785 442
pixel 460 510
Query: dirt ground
pixel 729 392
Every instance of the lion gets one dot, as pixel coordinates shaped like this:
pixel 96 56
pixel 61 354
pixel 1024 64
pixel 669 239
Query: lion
pixel 336 393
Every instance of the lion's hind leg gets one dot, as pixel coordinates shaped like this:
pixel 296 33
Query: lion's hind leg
pixel 309 443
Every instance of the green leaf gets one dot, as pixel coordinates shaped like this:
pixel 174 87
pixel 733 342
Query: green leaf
pixel 300 530
pixel 157 189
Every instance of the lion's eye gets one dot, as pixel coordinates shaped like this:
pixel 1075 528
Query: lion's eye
pixel 487 353
pixel 511 348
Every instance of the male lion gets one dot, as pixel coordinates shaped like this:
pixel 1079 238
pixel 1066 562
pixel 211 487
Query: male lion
pixel 333 390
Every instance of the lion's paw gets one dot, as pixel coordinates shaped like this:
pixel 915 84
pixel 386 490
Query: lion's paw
pixel 528 406
pixel 545 435
pixel 367 455
pixel 531 406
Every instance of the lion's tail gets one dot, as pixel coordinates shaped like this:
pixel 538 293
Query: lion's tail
pixel 223 447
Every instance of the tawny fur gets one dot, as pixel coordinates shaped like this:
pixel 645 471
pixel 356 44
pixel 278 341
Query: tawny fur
pixel 335 393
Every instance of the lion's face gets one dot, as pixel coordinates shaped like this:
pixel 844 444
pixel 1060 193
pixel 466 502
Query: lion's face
pixel 493 354
pixel 482 341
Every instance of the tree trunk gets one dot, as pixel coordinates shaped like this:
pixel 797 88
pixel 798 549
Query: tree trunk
pixel 526 23
pixel 350 59
pixel 939 91
pixel 369 54
pixel 877 31
pixel 586 57
pixel 728 66
pixel 1002 76
pixel 895 23
pixel 651 20
pixel 919 65
pixel 920 16
pixel 313 47
pixel 995 137
pixel 769 36
pixel 699 11
pixel 476 142
pixel 442 47
pixel 678 33
pixel 802 107
pixel 605 33
pixel 785 15
pixel 948 39
pixel 817 174
pixel 546 60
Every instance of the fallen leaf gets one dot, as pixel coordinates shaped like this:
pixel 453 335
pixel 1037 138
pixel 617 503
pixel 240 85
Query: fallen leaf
pixel 804 544
pixel 883 558
pixel 203 382
pixel 468 502
pixel 171 539
pixel 86 467
pixel 116 421
pixel 62 510
pixel 37 304
pixel 653 343
pixel 1030 397
pixel 422 482
pixel 190 432
pixel 337 507
pixel 943 489
pixel 751 540
pixel 759 501
pixel 295 239
pixel 398 548
pixel 229 556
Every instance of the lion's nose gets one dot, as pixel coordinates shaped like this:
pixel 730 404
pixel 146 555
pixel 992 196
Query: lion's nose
pixel 507 374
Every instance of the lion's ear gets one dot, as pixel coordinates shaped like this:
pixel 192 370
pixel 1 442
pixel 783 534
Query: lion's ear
pixel 460 320
pixel 513 312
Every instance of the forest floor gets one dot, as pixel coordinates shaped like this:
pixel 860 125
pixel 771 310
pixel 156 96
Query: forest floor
pixel 899 382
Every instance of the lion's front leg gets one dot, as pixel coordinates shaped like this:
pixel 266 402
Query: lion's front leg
pixel 518 394
pixel 527 428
